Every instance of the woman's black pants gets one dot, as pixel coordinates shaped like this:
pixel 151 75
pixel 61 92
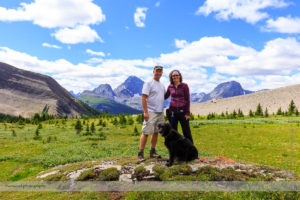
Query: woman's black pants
pixel 176 117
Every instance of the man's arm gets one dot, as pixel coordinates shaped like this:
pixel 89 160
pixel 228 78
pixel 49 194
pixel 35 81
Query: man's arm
pixel 145 108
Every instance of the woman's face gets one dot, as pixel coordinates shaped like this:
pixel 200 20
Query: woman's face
pixel 175 77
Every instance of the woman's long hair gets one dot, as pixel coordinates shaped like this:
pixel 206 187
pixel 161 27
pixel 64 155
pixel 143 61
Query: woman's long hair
pixel 170 76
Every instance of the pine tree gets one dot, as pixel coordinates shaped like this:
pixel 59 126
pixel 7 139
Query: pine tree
pixel 292 108
pixel 259 111
pixel 93 127
pixel 78 126
pixel 240 113
pixel 130 120
pixel 234 114
pixel 279 111
pixel 266 114
pixel 251 113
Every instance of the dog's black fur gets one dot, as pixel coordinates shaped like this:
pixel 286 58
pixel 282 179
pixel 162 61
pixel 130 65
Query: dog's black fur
pixel 179 147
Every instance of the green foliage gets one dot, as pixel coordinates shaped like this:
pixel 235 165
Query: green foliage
pixel 279 111
pixel 135 132
pixel 140 118
pixel 93 127
pixel 110 174
pixel 292 108
pixel 122 119
pixel 130 120
pixel 13 133
pixel 86 175
pixel 192 117
pixel 37 135
pixel 266 114
pixel 78 126
pixel 259 111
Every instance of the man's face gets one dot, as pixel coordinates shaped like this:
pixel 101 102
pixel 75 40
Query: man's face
pixel 157 73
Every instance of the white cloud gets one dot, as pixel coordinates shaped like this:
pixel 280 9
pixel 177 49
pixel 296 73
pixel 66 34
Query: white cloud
pixel 55 13
pixel 51 45
pixel 277 63
pixel 70 18
pixel 79 34
pixel 250 10
pixel 140 17
pixel 95 53
pixel 180 43
pixel 157 4
pixel 283 25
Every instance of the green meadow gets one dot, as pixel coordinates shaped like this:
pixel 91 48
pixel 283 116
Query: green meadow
pixel 24 152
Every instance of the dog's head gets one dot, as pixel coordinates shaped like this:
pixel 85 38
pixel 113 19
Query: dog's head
pixel 163 129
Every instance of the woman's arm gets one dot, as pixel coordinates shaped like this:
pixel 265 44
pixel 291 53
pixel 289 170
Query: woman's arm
pixel 187 99
pixel 167 93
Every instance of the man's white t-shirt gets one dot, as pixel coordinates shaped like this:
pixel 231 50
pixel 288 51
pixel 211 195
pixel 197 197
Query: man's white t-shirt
pixel 155 91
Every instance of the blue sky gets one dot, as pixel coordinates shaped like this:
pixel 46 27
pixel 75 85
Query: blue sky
pixel 84 43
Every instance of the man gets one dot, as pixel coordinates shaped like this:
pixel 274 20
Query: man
pixel 153 102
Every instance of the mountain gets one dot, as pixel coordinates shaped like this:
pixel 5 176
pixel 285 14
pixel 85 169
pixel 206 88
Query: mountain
pixel 197 97
pixel 103 104
pixel 132 86
pixel 25 93
pixel 103 90
pixel 270 99
pixel 225 90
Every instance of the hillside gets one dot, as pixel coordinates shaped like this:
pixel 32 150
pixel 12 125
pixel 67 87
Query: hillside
pixel 103 104
pixel 270 99
pixel 25 93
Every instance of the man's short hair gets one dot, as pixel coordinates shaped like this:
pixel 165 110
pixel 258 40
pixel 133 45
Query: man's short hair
pixel 158 67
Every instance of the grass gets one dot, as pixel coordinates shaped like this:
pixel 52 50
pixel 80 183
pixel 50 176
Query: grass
pixel 268 141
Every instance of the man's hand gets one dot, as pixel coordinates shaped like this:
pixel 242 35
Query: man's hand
pixel 187 117
pixel 146 116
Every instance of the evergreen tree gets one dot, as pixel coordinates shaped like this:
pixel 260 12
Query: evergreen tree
pixel 240 113
pixel 234 114
pixel 279 111
pixel 292 108
pixel 266 114
pixel 251 113
pixel 259 111
pixel 222 115
pixel 78 126
pixel 93 127
pixel 87 129
pixel 130 120
pixel 297 112
pixel 192 116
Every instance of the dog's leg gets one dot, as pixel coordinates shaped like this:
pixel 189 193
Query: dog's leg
pixel 171 158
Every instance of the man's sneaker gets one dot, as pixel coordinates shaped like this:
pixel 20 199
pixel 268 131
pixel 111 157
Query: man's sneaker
pixel 153 154
pixel 141 156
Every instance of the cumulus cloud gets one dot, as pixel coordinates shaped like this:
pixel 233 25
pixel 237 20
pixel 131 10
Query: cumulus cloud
pixel 283 25
pixel 95 53
pixel 79 34
pixel 140 17
pixel 55 13
pixel 277 63
pixel 68 16
pixel 250 10
pixel 51 45
pixel 180 43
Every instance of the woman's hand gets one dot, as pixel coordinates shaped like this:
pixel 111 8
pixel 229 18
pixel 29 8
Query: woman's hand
pixel 187 117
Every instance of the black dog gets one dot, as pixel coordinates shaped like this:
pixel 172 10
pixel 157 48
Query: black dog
pixel 179 147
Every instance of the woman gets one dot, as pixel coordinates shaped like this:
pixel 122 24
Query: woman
pixel 179 109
